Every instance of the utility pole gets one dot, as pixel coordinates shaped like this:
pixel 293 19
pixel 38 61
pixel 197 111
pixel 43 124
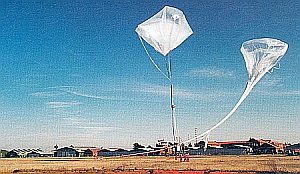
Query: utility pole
pixel 196 135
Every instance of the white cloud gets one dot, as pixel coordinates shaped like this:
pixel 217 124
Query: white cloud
pixel 153 89
pixel 292 92
pixel 96 129
pixel 181 93
pixel 271 81
pixel 47 94
pixel 86 124
pixel 74 121
pixel 204 95
pixel 209 73
pixel 88 95
pixel 274 86
pixel 281 93
pixel 140 89
pixel 71 90
pixel 54 104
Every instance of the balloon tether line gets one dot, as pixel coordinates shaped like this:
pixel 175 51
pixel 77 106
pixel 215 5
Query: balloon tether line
pixel 151 59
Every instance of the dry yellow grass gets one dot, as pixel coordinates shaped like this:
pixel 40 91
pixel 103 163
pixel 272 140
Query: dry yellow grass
pixel 221 163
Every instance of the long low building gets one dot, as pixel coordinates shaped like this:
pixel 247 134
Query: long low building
pixel 221 151
pixel 72 151
pixel 126 152
pixel 27 153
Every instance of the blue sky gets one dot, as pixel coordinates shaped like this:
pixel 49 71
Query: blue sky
pixel 75 72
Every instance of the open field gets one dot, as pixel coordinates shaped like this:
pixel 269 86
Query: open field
pixel 152 164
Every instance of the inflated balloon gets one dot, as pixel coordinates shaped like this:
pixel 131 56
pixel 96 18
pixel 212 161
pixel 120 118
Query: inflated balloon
pixel 261 56
pixel 166 30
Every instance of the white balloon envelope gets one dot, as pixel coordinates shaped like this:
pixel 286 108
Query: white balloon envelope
pixel 165 30
pixel 261 55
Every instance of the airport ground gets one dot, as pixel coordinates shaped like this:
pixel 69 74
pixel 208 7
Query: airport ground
pixel 144 164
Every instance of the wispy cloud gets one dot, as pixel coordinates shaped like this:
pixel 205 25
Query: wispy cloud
pixel 182 93
pixel 133 92
pixel 86 124
pixel 152 89
pixel 209 73
pixel 55 104
pixel 204 95
pixel 78 92
pixel 36 75
pixel 47 94
pixel 274 86
pixel 280 93
pixel 271 81
pixel 291 92
pixel 88 95
pixel 74 121
pixel 96 128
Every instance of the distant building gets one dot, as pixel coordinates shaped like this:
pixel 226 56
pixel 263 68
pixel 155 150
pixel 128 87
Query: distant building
pixel 12 154
pixel 87 151
pixel 266 146
pixel 228 144
pixel 293 149
pixel 219 151
pixel 113 152
pixel 22 153
pixel 76 151
pixel 3 153
pixel 66 152
pixel 39 154
pixel 33 155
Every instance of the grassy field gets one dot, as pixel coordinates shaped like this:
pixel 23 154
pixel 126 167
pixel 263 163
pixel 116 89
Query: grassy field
pixel 203 163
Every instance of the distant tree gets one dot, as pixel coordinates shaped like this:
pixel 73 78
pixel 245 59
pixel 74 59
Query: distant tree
pixel 200 144
pixel 137 146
